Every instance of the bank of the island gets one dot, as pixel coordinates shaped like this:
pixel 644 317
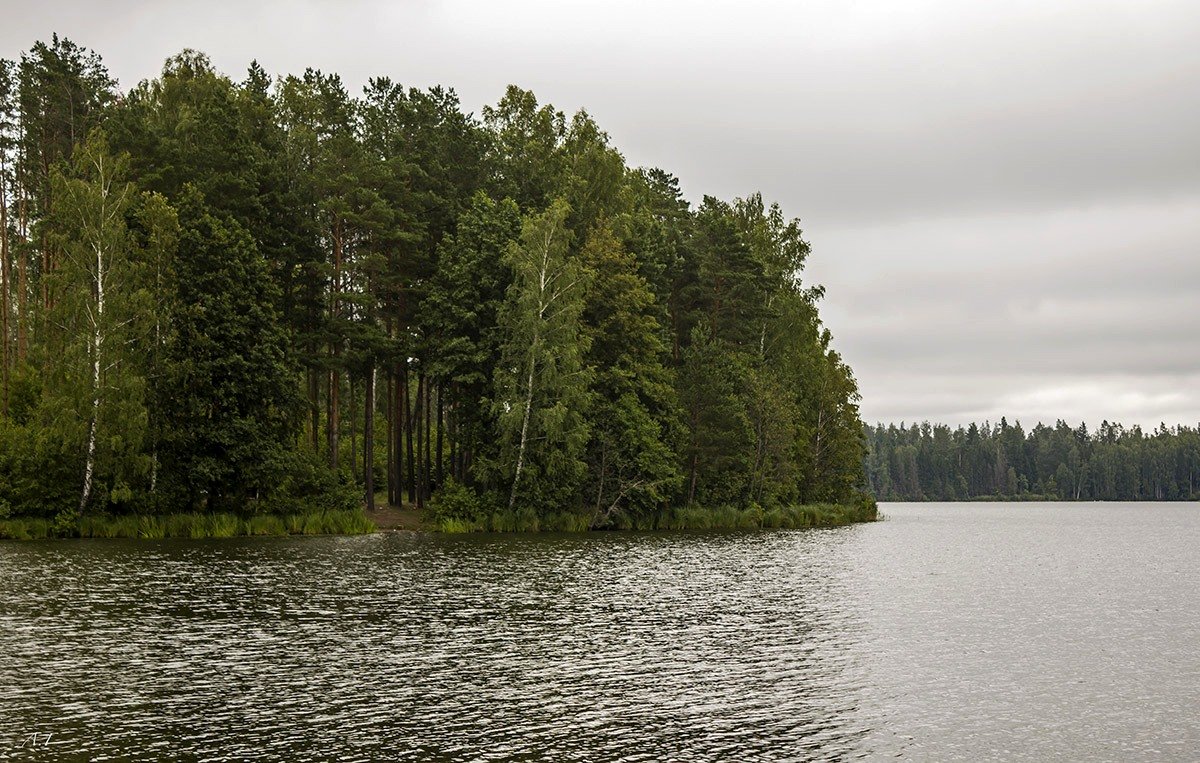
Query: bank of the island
pixel 196 525
pixel 459 510
pixel 682 518
pixel 188 525
pixel 247 305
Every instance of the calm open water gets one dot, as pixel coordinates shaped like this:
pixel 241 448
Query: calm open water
pixel 947 632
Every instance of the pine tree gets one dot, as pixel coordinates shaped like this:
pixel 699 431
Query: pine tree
pixel 718 454
pixel 527 148
pixel 632 466
pixel 230 408
pixel 462 311
pixel 8 142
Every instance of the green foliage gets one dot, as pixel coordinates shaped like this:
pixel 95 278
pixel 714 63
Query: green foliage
pixel 101 308
pixel 462 311
pixel 632 466
pixel 305 292
pixel 306 486
pixel 528 140
pixel 541 396
pixel 719 452
pixel 225 441
pixel 456 505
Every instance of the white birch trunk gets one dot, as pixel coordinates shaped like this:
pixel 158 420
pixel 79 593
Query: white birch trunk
pixel 512 498
pixel 97 321
pixel 533 349
pixel 97 344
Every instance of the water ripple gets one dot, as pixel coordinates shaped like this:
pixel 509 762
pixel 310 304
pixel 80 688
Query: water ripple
pixel 919 638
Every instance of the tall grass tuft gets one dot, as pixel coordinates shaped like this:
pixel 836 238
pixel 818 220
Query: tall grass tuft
pixel 223 526
pixel 24 529
pixel 265 524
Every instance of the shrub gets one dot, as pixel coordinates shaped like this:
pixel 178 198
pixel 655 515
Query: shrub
pixel 456 502
pixel 309 486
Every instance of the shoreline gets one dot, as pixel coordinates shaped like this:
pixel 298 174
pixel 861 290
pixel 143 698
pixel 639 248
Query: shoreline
pixel 405 519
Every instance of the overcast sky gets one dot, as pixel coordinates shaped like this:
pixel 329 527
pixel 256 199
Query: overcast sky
pixel 1003 198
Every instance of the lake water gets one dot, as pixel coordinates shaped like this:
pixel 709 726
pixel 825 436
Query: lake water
pixel 947 632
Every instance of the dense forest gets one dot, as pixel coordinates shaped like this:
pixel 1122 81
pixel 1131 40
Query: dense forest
pixel 935 463
pixel 264 293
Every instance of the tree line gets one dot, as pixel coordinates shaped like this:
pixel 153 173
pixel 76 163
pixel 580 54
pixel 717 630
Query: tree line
pixel 222 294
pixel 936 463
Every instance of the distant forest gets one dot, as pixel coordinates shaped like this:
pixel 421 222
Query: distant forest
pixel 264 293
pixel 932 462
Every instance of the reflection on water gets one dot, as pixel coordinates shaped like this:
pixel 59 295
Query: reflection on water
pixel 946 632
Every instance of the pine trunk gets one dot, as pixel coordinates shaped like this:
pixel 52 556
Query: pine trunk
pixel 5 278
pixel 369 438
pixel 314 406
pixel 397 436
pixel 420 427
pixel 427 472
pixel 452 433
pixel 407 409
pixel 335 287
pixel 353 432
pixel 331 422
pixel 440 426
pixel 22 281
pixel 388 414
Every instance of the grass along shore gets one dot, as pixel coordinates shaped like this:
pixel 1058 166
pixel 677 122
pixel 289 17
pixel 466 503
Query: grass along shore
pixel 357 522
pixel 349 522
pixel 682 518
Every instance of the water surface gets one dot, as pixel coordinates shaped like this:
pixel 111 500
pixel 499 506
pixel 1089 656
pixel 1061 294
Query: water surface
pixel 946 632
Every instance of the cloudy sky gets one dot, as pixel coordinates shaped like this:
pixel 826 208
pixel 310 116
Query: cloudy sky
pixel 1003 198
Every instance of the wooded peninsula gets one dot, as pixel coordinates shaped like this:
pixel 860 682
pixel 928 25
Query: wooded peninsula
pixel 259 305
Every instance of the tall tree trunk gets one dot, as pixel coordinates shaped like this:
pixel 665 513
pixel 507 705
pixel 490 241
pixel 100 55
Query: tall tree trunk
pixel 420 421
pixel 398 435
pixel 314 405
pixel 369 437
pixel 452 432
pixel 353 430
pixel 692 486
pixel 408 408
pixel 97 345
pixel 335 287
pixel 388 413
pixel 331 417
pixel 5 280
pixel 22 278
pixel 440 425
pixel 512 496
pixel 427 472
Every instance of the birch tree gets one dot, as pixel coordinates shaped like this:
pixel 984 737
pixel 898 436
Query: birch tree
pixel 541 384
pixel 96 320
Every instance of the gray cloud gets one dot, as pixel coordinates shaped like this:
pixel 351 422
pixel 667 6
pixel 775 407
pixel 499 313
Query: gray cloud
pixel 1004 199
pixel 1093 309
